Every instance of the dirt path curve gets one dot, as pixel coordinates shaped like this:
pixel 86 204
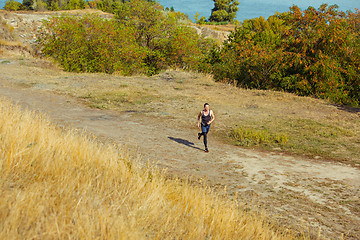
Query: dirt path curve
pixel 296 191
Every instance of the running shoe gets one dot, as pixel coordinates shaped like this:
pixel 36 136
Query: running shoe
pixel 206 150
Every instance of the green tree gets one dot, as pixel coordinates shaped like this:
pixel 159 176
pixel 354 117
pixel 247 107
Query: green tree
pixel 224 11
pixel 142 39
pixel 315 52
pixel 91 44
pixel 200 21
pixel 76 4
pixel 27 4
pixel 11 5
pixel 39 5
pixel 54 6
pixel 168 42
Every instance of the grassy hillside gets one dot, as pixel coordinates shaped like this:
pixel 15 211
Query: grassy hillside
pixel 57 184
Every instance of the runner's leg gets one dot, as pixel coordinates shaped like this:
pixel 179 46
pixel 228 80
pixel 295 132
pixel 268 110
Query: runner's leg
pixel 207 131
pixel 204 133
pixel 205 139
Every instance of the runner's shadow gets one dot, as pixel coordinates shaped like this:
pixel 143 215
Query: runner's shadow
pixel 185 142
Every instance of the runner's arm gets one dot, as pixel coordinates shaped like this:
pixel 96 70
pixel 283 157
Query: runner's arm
pixel 198 119
pixel 212 117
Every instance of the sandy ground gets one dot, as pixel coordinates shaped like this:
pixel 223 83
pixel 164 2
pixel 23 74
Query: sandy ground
pixel 308 195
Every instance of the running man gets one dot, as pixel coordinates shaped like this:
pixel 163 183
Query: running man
pixel 207 117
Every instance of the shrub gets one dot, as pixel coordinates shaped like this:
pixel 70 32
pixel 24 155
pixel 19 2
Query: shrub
pixel 168 42
pixel 200 21
pixel 224 11
pixel 39 5
pixel 315 52
pixel 76 4
pixel 11 5
pixel 141 39
pixel 91 44
pixel 27 4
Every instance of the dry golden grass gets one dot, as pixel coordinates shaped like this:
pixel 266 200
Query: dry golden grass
pixel 58 184
pixel 225 28
pixel 10 43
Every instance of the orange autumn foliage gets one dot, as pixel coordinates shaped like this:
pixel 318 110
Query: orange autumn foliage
pixel 312 53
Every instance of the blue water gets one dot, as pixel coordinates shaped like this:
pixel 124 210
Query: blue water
pixel 249 8
pixel 254 8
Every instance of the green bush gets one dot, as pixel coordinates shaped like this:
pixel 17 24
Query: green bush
pixel 91 44
pixel 28 4
pixel 142 39
pixel 310 53
pixel 11 5
pixel 167 40
pixel 224 11
pixel 200 21
pixel 76 4
pixel 39 5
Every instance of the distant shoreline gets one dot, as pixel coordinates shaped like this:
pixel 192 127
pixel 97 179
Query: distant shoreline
pixel 253 8
pixel 248 8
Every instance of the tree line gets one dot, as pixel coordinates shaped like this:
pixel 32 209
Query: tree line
pixel 223 11
pixel 315 52
pixel 56 5
pixel 140 39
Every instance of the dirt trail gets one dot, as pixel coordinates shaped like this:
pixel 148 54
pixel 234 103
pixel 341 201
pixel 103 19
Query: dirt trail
pixel 296 191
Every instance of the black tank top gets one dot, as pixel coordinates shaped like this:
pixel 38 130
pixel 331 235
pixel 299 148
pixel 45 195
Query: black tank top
pixel 205 119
